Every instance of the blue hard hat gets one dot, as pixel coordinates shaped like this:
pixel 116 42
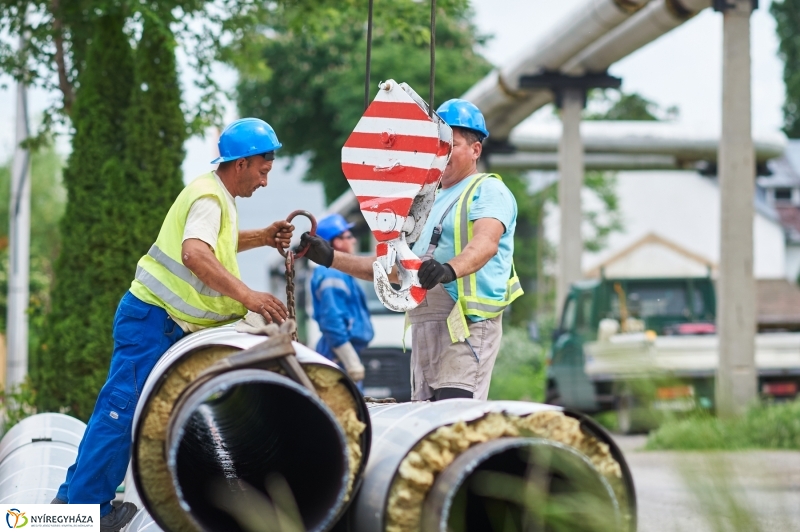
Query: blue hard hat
pixel 332 226
pixel 461 113
pixel 244 138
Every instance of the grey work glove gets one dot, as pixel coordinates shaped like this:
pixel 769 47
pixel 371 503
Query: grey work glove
pixel 254 323
pixel 433 272
pixel 319 251
pixel 347 355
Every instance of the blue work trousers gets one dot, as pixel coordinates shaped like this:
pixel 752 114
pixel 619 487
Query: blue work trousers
pixel 142 333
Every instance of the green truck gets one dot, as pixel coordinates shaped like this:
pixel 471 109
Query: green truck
pixel 642 347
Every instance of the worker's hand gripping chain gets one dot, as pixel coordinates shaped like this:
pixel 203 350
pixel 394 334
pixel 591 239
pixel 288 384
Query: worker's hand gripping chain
pixel 394 161
pixel 289 263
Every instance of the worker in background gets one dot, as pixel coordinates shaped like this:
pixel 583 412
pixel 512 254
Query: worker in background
pixel 187 281
pixel 456 331
pixel 340 305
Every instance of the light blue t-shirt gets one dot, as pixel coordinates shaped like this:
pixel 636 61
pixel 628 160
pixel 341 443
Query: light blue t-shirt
pixel 492 199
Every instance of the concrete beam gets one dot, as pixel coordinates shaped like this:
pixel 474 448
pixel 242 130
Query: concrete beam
pixel 570 183
pixel 736 303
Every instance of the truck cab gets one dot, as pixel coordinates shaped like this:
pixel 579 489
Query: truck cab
pixel 652 306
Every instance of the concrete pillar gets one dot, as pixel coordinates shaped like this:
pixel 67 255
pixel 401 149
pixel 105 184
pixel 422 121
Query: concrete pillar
pixel 570 183
pixel 19 252
pixel 736 301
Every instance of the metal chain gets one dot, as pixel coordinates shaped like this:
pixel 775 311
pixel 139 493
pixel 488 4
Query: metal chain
pixel 289 263
pixel 433 58
pixel 290 303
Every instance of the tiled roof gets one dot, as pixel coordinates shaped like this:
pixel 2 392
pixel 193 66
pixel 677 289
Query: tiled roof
pixel 778 303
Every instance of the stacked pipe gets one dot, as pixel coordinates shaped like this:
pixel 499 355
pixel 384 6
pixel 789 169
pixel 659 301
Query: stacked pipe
pixel 466 465
pixel 35 455
pixel 247 448
pixel 243 445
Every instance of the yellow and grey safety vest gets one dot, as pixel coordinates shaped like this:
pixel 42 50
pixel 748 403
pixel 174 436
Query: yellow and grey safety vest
pixel 163 280
pixel 469 303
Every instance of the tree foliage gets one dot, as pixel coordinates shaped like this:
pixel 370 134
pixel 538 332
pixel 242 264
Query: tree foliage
pixel 315 96
pixel 121 178
pixel 618 105
pixel 787 16
pixel 76 350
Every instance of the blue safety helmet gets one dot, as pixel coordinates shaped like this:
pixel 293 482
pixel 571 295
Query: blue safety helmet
pixel 244 138
pixel 332 226
pixel 461 113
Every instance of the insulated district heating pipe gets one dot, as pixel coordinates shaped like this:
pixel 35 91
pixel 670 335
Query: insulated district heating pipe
pixel 490 477
pixel 243 446
pixel 35 455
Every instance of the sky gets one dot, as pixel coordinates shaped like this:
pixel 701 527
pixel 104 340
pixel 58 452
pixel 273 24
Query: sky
pixel 682 68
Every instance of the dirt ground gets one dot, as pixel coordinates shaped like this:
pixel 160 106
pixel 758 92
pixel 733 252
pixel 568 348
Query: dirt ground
pixel 704 491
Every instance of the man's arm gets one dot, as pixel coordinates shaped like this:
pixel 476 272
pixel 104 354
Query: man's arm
pixel 486 233
pixel 279 234
pixel 198 257
pixel 321 252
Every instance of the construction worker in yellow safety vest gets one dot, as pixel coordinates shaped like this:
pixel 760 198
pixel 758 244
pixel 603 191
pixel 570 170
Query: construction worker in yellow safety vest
pixel 187 281
pixel 467 248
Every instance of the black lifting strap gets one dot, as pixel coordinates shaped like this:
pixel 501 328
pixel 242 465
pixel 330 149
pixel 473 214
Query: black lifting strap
pixel 433 57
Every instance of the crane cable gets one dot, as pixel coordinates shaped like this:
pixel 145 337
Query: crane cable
pixel 433 57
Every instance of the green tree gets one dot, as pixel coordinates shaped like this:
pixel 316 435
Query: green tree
pixel 315 96
pixel 618 105
pixel 76 350
pixel 143 182
pixel 787 16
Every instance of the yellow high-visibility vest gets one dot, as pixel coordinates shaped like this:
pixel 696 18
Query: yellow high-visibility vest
pixel 162 279
pixel 469 303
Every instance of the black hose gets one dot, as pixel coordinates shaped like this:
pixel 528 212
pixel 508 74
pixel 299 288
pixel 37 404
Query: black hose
pixel 246 430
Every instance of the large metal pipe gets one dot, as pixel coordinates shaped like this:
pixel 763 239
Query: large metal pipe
pixel 650 23
pixel 399 430
pixel 639 137
pixel 498 94
pixel 585 42
pixel 245 443
pixel 35 455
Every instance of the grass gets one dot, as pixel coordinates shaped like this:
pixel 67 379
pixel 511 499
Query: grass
pixel 764 426
pixel 519 372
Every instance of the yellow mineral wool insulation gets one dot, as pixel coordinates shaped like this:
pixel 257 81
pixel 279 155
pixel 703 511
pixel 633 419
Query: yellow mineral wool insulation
pixel 336 395
pixel 153 472
pixel 418 470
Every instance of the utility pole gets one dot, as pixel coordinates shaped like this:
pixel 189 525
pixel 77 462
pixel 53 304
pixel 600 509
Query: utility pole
pixel 19 248
pixel 570 97
pixel 736 385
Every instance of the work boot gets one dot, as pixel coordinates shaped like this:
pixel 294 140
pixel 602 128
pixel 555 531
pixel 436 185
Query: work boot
pixel 56 500
pixel 118 517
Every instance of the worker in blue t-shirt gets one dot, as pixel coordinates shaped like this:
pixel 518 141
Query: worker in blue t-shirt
pixel 340 305
pixel 467 270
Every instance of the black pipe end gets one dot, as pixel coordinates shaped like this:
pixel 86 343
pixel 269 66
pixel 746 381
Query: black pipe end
pixel 249 443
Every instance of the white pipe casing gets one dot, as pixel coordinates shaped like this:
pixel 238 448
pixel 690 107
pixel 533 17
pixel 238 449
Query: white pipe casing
pixel 35 455
pixel 650 23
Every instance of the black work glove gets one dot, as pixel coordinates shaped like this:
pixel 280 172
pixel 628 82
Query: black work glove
pixel 433 272
pixel 319 250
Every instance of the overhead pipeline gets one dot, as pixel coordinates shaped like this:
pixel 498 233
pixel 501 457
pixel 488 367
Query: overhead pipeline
pixel 498 95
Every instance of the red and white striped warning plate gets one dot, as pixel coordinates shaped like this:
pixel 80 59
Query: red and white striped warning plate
pixel 396 153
